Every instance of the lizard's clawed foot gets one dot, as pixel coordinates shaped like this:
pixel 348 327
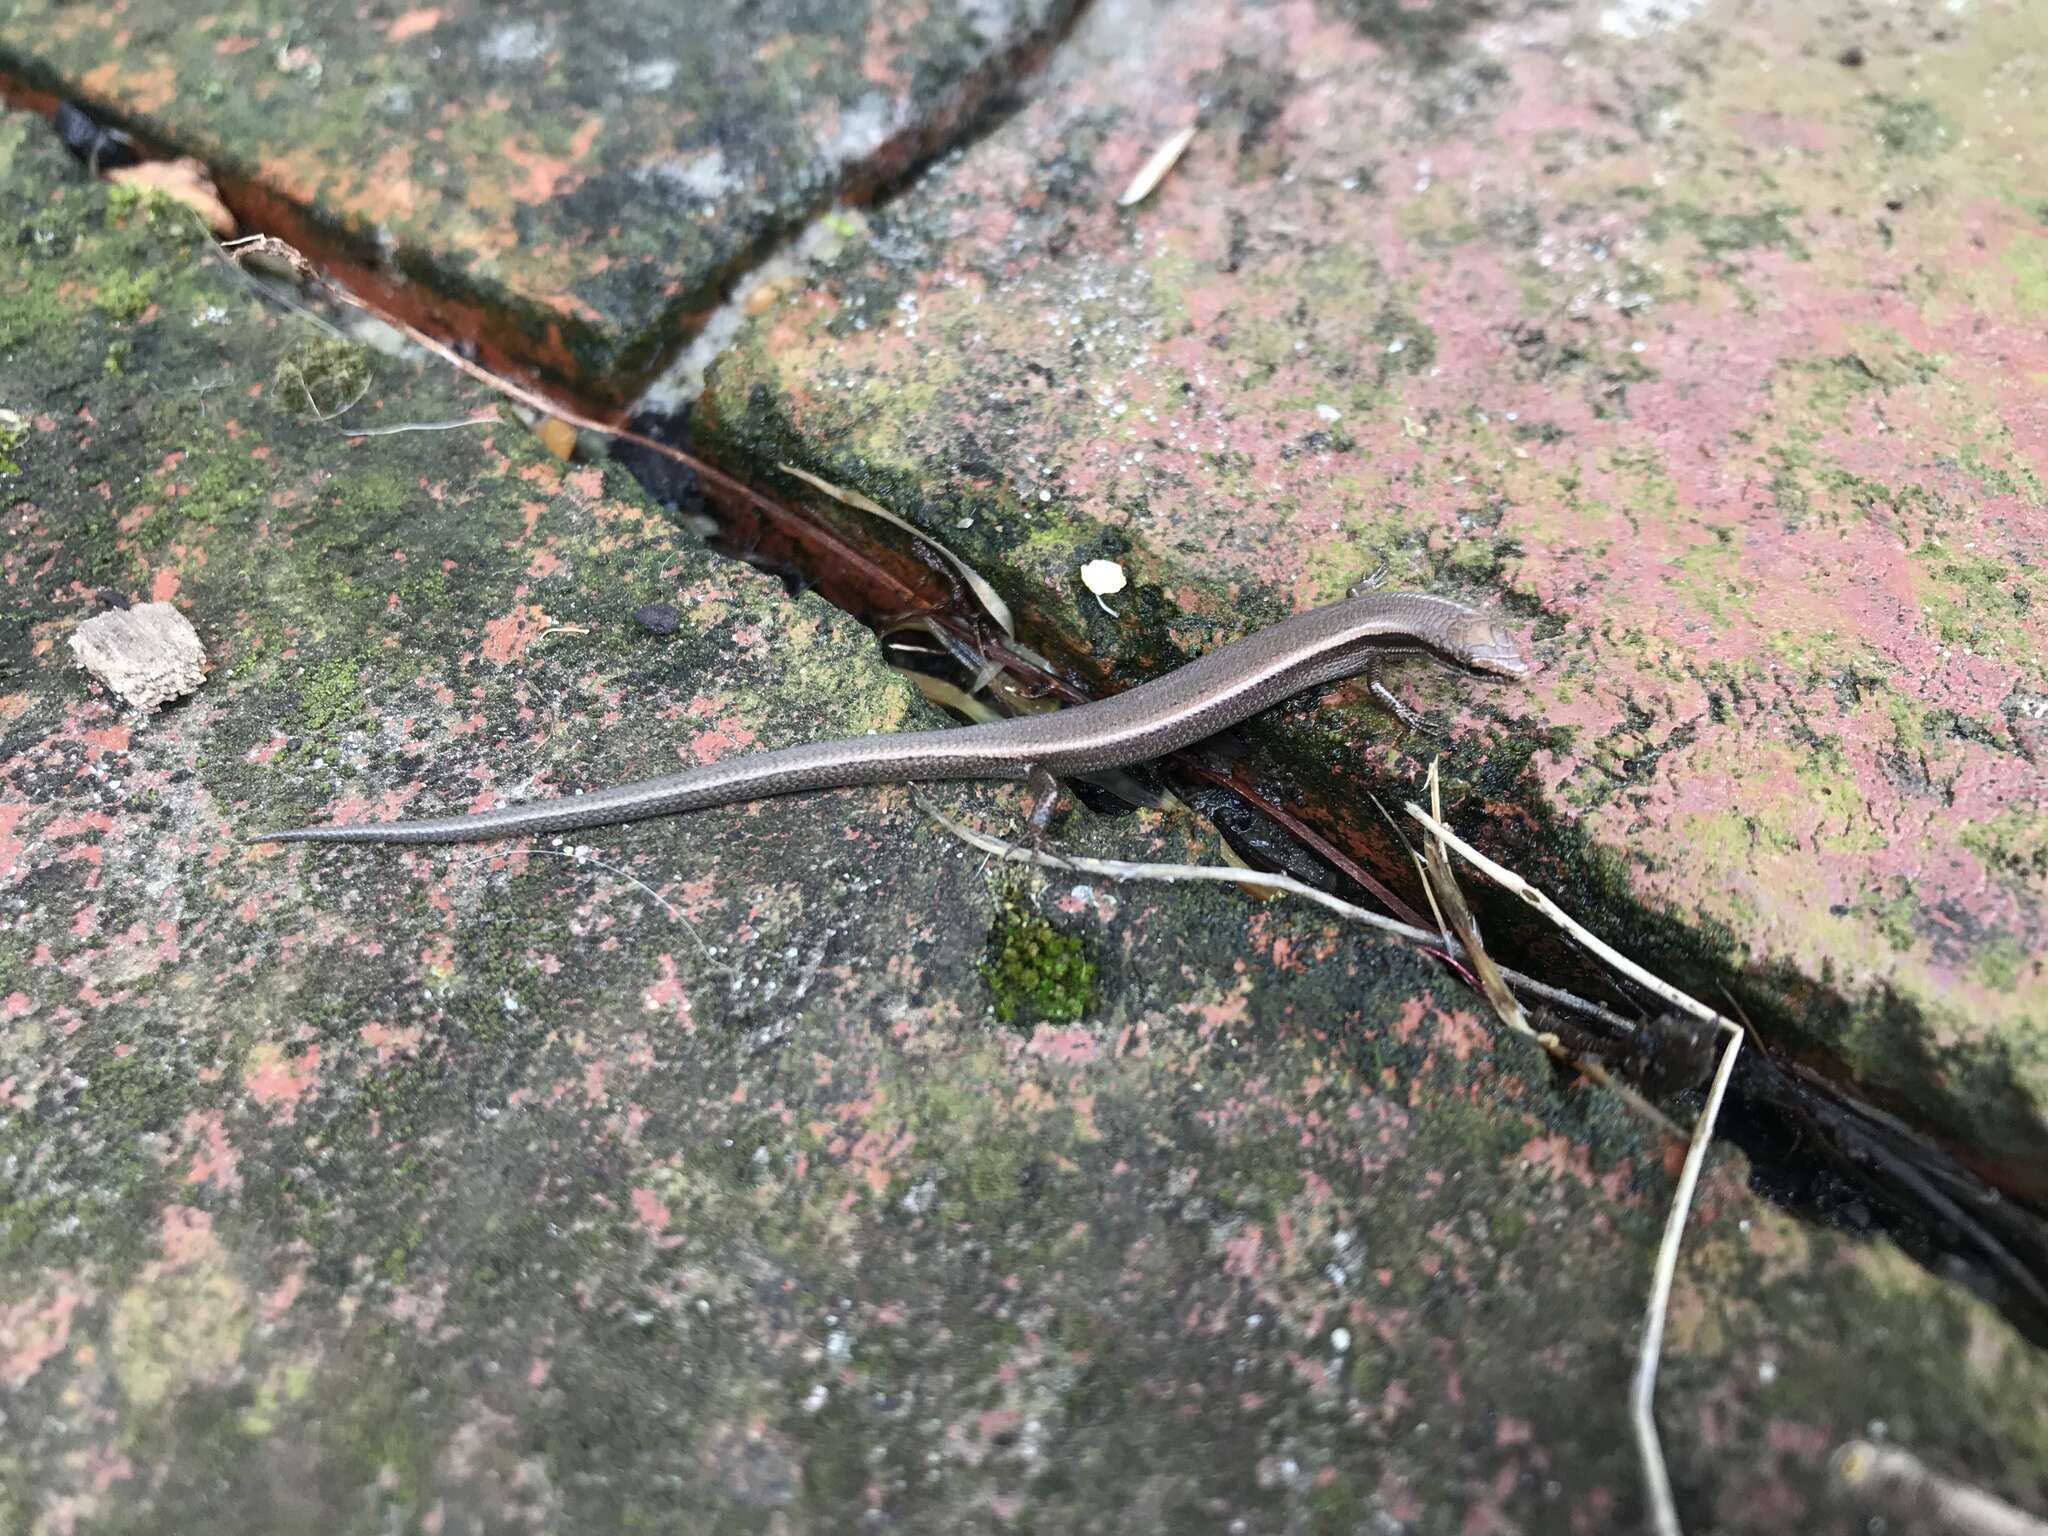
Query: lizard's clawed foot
pixel 1366 584
pixel 1412 719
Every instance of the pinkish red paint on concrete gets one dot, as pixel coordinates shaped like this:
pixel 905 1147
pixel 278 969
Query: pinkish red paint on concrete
pixel 1709 347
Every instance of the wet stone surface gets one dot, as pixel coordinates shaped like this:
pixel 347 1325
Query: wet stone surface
pixel 576 182
pixel 698 1188
pixel 1713 353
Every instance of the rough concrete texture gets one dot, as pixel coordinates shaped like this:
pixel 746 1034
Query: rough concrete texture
pixel 1710 337
pixel 588 177
pixel 697 1189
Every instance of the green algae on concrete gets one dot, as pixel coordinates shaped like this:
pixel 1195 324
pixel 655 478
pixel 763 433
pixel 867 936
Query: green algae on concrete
pixel 1730 390
pixel 577 184
pixel 693 1185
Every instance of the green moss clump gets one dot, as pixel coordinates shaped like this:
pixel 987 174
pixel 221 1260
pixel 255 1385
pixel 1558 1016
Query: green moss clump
pixel 332 693
pixel 1720 235
pixel 2000 961
pixel 1036 973
pixel 1910 127
pixel 221 485
pixel 125 296
pixel 332 696
pixel 1406 344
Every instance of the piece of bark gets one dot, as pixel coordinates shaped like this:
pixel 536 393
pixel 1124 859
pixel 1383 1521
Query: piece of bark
pixel 148 654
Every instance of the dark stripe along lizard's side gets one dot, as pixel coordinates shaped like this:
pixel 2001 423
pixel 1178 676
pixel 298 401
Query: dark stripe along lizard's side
pixel 1195 701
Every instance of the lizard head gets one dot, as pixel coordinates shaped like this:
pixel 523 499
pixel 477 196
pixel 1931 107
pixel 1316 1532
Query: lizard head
pixel 1487 647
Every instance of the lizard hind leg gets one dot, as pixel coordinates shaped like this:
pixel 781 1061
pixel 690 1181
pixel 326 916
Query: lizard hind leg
pixel 1387 700
pixel 1044 791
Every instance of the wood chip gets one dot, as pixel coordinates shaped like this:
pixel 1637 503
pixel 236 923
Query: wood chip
pixel 1154 170
pixel 149 654
pixel 557 436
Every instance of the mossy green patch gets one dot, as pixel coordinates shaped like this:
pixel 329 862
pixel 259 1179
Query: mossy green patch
pixel 2026 258
pixel 1035 972
pixel 331 694
pixel 330 697
pixel 217 484
pixel 2015 842
pixel 125 296
pixel 2000 961
pixel 181 1326
pixel 1975 600
pixel 498 954
pixel 1721 234
pixel 984 1152
pixel 13 433
pixel 1406 345
pixel 1714 575
pixel 2013 476
pixel 15 1488
pixel 1894 914
pixel 1913 128
pixel 80 1177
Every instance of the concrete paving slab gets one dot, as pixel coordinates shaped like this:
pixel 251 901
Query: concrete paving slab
pixel 570 186
pixel 476 1191
pixel 1707 339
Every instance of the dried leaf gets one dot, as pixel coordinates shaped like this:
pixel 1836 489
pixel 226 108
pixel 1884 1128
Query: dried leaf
pixel 183 181
pixel 990 600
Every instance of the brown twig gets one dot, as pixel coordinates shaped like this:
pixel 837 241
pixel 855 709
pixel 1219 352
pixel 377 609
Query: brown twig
pixel 1455 915
pixel 1222 874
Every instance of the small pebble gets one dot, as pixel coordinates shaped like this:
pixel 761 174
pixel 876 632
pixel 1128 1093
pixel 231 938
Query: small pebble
pixel 1850 57
pixel 658 618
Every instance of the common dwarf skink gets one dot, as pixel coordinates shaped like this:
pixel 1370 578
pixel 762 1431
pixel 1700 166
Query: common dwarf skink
pixel 1207 695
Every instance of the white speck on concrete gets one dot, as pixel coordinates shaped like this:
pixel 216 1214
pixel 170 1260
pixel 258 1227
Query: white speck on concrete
pixel 517 42
pixel 701 176
pixel 651 75
pixel 1646 18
